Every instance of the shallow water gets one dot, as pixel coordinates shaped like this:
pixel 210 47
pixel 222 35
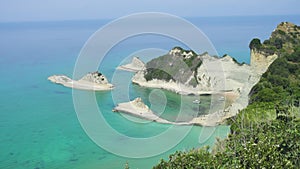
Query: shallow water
pixel 39 126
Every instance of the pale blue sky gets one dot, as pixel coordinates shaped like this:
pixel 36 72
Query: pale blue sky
pixel 45 10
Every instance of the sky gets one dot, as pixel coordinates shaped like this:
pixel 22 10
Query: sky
pixel 54 10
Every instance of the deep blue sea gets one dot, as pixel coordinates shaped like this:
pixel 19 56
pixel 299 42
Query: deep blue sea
pixel 39 128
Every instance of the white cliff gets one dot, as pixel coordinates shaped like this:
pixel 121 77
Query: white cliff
pixel 217 75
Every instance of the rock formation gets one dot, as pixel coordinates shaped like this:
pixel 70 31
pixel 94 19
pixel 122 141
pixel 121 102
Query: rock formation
pixel 91 81
pixel 135 65
pixel 137 108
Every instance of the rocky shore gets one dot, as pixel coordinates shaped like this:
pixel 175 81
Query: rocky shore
pixel 138 109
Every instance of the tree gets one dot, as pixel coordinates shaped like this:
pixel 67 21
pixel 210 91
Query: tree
pixel 255 44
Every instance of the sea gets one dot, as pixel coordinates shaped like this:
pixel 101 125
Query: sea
pixel 40 127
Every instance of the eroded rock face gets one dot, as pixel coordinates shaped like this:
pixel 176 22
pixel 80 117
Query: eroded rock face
pixel 260 62
pixel 138 102
pixel 95 77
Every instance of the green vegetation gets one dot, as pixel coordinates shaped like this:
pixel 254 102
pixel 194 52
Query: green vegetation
pixel 159 68
pixel 267 133
pixel 153 73
pixel 271 142
pixel 178 67
pixel 281 83
pixel 282 41
pixel 255 44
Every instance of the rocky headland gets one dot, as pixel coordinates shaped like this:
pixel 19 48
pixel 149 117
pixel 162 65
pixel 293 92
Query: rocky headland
pixel 185 72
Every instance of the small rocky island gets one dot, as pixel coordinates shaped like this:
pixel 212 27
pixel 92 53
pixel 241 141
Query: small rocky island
pixel 95 81
pixel 137 108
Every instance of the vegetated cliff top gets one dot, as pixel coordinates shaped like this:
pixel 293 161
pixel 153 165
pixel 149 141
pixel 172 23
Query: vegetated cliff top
pixel 283 40
pixel 281 82
pixel 177 65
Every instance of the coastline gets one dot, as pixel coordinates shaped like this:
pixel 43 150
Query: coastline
pixel 138 109
pixel 171 85
pixel 228 77
pixel 142 112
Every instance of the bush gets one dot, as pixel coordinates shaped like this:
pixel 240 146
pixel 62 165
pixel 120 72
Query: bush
pixel 157 74
pixel 255 44
pixel 257 140
pixel 278 43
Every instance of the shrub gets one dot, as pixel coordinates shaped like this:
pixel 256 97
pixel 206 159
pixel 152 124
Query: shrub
pixel 255 44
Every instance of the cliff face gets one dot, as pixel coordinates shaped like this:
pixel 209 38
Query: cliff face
pixel 261 61
pixel 203 73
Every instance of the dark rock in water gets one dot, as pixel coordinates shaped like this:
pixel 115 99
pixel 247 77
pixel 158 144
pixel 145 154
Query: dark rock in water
pixel 73 159
pixel 101 157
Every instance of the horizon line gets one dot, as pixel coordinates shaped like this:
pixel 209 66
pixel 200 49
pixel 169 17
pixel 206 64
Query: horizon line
pixel 111 19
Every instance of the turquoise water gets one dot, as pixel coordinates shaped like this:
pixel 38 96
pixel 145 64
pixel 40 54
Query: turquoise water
pixel 39 126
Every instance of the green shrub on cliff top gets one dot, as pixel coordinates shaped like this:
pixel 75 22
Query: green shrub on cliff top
pixel 255 44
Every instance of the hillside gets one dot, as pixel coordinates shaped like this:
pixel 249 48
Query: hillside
pixel 281 82
pixel 178 65
pixel 266 134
